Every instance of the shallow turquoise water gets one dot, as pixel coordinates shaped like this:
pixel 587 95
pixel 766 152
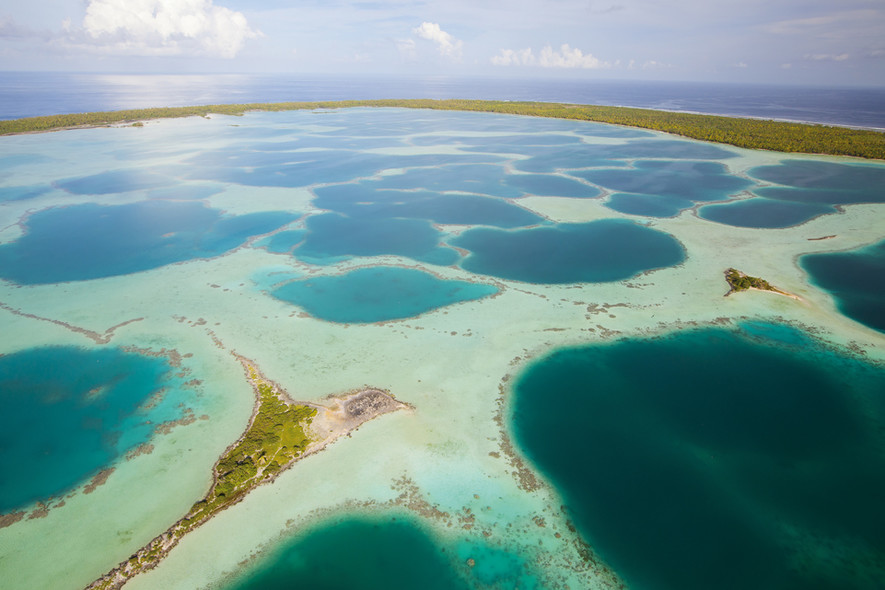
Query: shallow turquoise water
pixel 693 470
pixel 377 294
pixel 178 192
pixel 383 553
pixel 282 242
pixel 368 203
pixel 69 412
pixel 856 279
pixel 716 458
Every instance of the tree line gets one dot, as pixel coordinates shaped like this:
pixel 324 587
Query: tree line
pixel 746 133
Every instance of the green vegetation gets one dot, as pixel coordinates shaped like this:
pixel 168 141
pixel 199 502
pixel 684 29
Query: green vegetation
pixel 275 437
pixel 738 281
pixel 746 133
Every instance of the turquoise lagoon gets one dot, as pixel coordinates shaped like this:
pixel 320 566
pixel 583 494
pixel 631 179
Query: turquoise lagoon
pixel 857 280
pixel 71 412
pixel 587 409
pixel 377 294
pixel 385 551
pixel 89 241
pixel 729 461
pixel 801 190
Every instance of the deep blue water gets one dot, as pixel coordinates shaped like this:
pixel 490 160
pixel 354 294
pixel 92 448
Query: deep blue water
pixel 384 553
pixel 332 237
pixel 367 200
pixel 25 94
pixel 658 188
pixel 600 251
pixel 369 203
pixel 69 412
pixel 856 279
pixel 803 190
pixel 763 213
pixel 90 241
pixel 690 470
pixel 358 554
pixel 282 242
pixel 377 294
pixel 716 458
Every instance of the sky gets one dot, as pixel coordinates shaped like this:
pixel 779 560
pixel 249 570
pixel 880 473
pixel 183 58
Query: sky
pixel 834 42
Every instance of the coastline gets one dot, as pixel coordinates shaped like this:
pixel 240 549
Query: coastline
pixel 345 414
pixel 450 377
pixel 741 281
pixel 749 133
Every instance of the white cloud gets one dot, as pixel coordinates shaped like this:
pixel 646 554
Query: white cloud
pixel 448 46
pixel 827 57
pixel 655 65
pixel 407 49
pixel 799 25
pixel 569 58
pixel 510 57
pixel 835 20
pixel 167 27
pixel 566 57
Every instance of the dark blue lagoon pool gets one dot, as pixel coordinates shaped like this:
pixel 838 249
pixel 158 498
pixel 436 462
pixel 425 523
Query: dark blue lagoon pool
pixel 382 552
pixel 716 458
pixel 70 412
pixel 856 280
pixel 377 294
pixel 439 188
pixel 91 241
pixel 747 456
pixel 801 190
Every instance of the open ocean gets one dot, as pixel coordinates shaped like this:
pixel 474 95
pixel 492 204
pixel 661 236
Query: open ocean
pixel 28 94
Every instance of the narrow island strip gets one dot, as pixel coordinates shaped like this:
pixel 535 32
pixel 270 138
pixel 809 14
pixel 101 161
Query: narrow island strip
pixel 280 432
pixel 780 136
pixel 739 281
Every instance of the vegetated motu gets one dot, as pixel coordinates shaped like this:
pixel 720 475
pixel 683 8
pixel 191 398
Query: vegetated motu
pixel 747 133
pixel 275 437
pixel 738 281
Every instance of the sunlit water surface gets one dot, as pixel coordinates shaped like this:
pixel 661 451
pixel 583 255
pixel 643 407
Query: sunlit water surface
pixel 711 458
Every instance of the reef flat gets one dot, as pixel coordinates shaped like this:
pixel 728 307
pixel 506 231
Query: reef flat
pixel 739 281
pixel 435 254
pixel 280 432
